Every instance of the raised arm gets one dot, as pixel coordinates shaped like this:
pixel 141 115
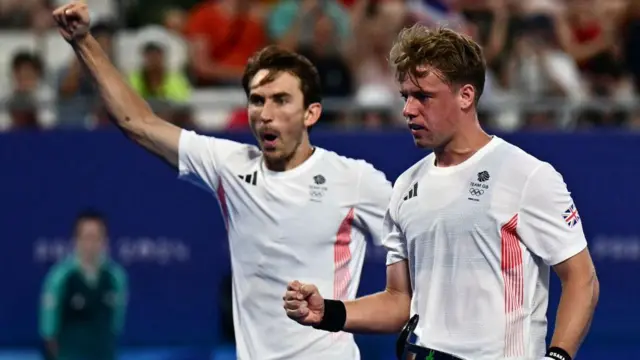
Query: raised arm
pixel 128 110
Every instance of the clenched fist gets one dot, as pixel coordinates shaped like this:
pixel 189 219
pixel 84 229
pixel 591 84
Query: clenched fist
pixel 303 303
pixel 73 20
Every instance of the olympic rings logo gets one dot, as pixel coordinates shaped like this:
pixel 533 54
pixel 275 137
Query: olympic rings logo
pixel 476 192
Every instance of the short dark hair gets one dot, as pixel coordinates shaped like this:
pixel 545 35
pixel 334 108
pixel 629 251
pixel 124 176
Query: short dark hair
pixel 89 215
pixel 23 58
pixel 276 60
pixel 456 57
pixel 152 47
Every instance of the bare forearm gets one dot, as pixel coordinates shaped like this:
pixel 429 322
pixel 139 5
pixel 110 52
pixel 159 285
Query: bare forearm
pixel 383 312
pixel 122 102
pixel 577 304
pixel 497 35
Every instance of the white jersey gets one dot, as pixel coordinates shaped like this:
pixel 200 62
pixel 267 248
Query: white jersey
pixel 308 223
pixel 479 238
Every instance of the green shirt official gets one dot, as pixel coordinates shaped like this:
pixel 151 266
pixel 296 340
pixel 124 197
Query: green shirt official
pixel 84 299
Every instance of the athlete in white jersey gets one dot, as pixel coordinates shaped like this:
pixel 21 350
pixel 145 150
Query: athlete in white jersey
pixel 289 207
pixel 472 230
pixel 311 220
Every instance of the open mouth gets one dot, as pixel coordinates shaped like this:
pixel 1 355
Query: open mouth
pixel 269 139
pixel 414 126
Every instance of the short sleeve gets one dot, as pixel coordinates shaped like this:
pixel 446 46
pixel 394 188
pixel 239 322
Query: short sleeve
pixel 374 194
pixel 392 236
pixel 549 224
pixel 202 157
pixel 393 239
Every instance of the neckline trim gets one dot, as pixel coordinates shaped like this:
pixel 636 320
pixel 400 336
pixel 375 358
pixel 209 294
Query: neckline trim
pixel 309 162
pixel 438 170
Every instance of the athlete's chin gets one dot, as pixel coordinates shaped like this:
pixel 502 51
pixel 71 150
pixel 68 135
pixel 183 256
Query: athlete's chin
pixel 423 142
pixel 272 154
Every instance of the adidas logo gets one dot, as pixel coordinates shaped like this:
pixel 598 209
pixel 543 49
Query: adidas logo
pixel 251 179
pixel 412 193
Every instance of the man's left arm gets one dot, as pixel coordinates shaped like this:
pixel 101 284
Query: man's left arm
pixel 374 194
pixel 580 291
pixel 550 226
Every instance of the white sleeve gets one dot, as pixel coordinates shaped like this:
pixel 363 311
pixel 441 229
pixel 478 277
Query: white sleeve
pixel 392 237
pixel 549 224
pixel 201 158
pixel 374 192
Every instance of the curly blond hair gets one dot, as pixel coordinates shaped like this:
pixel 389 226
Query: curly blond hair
pixel 452 56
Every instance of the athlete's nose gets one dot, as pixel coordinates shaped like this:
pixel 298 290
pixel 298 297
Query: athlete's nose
pixel 267 113
pixel 410 109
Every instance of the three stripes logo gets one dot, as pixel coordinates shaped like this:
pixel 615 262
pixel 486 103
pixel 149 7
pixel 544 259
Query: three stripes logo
pixel 251 179
pixel 413 192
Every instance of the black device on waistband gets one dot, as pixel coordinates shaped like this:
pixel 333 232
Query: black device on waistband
pixel 404 345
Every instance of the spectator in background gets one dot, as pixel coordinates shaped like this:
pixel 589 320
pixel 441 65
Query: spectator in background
pixel 539 70
pixel 28 74
pixel 78 100
pixel 84 297
pixel 588 31
pixel 438 13
pixel 487 23
pixel 325 48
pixel 141 13
pixel 293 21
pixel 174 20
pixel 29 92
pixel 631 36
pixel 155 81
pixel 23 14
pixel 375 25
pixel 23 112
pixel 222 35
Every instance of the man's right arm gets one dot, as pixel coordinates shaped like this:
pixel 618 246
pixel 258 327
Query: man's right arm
pixel 383 312
pixel 386 311
pixel 129 111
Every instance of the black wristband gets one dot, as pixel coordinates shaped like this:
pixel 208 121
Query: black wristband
pixel 335 315
pixel 557 353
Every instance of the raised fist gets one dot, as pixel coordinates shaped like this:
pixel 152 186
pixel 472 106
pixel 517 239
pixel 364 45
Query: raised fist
pixel 303 303
pixel 73 20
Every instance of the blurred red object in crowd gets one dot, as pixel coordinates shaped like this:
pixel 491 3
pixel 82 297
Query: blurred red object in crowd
pixel 238 120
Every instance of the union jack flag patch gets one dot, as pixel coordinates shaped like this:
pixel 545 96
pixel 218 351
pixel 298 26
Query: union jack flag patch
pixel 571 216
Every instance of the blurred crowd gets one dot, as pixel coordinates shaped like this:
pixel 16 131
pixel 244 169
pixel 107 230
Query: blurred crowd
pixel 553 64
